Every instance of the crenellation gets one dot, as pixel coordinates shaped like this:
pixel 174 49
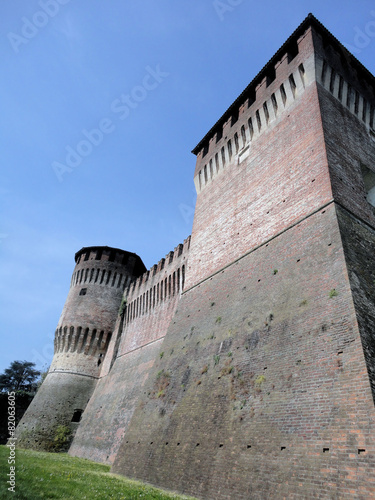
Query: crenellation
pixel 164 282
pixel 230 148
pixel 344 92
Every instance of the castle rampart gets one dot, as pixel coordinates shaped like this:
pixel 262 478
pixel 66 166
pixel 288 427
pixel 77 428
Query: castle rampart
pixel 151 303
pixel 242 365
pixel 162 282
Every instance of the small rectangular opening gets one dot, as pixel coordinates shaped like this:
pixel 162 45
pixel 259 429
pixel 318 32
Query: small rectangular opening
pixel 332 81
pixel 301 70
pixel 293 85
pixel 205 150
pixel 282 448
pixel 349 96
pixel 271 76
pixel 83 291
pixel 341 86
pixel 361 451
pixel 229 145
pixel 77 415
pixel 251 98
pixel 257 115
pixel 325 450
pixel 274 103
pixel 292 51
pixel 283 93
pixel 356 102
pixel 219 134
pixel 234 118
pixel 266 113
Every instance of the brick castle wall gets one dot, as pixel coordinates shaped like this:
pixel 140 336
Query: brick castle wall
pixel 151 302
pixel 266 391
pixel 242 365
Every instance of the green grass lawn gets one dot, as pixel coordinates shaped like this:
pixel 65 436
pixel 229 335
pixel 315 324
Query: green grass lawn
pixel 59 476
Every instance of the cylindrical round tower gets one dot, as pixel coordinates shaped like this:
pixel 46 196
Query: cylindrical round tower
pixel 81 340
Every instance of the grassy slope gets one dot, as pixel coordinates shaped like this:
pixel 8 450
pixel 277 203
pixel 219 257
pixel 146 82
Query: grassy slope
pixel 59 476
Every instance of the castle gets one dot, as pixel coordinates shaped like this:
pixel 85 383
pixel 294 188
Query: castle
pixel 242 365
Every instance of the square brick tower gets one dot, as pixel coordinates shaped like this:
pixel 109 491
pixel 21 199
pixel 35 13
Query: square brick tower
pixel 266 383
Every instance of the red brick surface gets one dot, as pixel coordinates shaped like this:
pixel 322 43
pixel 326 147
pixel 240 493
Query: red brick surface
pixel 243 363
pixel 263 377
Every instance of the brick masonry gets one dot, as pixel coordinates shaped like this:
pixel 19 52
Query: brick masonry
pixel 242 365
pixel 268 394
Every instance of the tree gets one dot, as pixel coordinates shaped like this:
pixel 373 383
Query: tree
pixel 21 376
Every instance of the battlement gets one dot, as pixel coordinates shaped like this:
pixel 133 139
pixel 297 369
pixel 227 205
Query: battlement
pixel 106 266
pixel 162 281
pixel 273 91
pixel 103 253
pixel 252 121
pixel 361 102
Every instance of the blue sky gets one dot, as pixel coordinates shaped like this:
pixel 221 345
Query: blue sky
pixel 67 72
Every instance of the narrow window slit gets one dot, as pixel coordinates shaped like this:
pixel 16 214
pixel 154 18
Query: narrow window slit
pixel 274 103
pixel 258 120
pixel 266 113
pixel 223 156
pixel 243 136
pixel 301 70
pixel 236 143
pixel 332 81
pixel 283 93
pixel 364 110
pixel 324 72
pixel 293 85
pixel 217 162
pixel 349 96
pixel 229 144
pixel 251 128
pixel 341 86
pixel 356 104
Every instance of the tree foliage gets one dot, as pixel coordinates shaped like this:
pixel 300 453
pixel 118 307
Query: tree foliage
pixel 21 376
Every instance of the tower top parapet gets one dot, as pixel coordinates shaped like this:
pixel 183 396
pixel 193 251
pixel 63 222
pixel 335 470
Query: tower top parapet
pixel 106 254
pixel 288 51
